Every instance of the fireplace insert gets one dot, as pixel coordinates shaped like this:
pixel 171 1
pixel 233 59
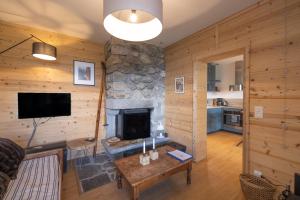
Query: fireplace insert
pixel 133 124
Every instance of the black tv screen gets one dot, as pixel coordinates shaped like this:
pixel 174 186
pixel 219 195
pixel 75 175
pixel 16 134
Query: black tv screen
pixel 37 105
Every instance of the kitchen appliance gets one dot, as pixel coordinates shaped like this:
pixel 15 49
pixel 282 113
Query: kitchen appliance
pixel 221 102
pixel 233 119
pixel 237 87
pixel 214 102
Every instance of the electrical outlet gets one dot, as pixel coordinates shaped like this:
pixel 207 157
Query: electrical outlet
pixel 257 173
pixel 259 112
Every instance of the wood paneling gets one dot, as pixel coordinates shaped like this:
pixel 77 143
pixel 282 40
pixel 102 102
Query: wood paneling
pixel 20 72
pixel 270 30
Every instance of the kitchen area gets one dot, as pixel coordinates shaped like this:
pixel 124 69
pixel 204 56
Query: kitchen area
pixel 225 95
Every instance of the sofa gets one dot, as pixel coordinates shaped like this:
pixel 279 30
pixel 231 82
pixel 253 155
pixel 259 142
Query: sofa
pixel 39 176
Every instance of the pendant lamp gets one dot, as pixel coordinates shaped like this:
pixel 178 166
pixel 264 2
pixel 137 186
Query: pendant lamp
pixel 43 51
pixel 133 20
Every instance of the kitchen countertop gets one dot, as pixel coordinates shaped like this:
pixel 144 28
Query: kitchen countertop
pixel 214 107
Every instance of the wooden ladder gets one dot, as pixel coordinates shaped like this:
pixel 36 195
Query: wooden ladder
pixel 102 92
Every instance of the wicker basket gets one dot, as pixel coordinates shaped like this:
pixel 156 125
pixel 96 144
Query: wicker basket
pixel 255 188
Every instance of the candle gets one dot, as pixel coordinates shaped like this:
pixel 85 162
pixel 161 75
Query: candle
pixel 144 147
pixel 153 143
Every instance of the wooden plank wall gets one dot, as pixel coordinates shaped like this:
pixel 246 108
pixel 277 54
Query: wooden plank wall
pixel 20 72
pixel 271 30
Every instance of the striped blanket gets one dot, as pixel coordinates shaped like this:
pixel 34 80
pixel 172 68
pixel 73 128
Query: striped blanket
pixel 38 179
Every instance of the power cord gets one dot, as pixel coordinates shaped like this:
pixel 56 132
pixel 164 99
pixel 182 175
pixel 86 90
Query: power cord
pixel 35 125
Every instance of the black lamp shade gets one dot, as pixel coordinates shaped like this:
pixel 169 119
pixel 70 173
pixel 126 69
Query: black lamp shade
pixel 43 51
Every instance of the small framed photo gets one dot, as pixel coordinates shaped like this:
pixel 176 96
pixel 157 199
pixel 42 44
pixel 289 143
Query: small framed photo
pixel 179 85
pixel 84 73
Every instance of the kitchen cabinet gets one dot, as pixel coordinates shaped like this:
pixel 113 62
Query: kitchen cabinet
pixel 239 67
pixel 239 77
pixel 211 77
pixel 214 119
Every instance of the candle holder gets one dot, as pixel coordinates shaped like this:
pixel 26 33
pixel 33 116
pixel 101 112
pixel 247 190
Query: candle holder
pixel 144 159
pixel 154 154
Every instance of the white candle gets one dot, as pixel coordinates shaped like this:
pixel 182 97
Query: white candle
pixel 153 143
pixel 144 147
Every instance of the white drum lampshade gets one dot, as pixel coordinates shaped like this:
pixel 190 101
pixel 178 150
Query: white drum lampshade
pixel 133 20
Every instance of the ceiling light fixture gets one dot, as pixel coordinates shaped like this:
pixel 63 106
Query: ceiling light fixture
pixel 133 20
pixel 133 17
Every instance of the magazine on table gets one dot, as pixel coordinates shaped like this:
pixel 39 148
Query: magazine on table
pixel 180 155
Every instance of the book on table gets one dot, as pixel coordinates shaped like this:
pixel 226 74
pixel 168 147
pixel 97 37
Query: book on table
pixel 180 155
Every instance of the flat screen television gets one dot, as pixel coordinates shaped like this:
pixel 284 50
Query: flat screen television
pixel 37 105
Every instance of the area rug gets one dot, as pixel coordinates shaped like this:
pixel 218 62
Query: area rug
pixel 94 172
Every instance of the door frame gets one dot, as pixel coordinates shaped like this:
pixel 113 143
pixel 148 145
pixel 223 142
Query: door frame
pixel 199 143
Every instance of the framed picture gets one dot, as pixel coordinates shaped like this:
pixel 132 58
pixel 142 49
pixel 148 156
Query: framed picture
pixel 179 85
pixel 84 73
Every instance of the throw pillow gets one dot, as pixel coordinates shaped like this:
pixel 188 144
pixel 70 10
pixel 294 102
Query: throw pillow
pixel 11 155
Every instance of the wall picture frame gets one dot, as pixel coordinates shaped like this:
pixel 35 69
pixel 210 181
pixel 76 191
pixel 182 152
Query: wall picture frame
pixel 83 73
pixel 179 85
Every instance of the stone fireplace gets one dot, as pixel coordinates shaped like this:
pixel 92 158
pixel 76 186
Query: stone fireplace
pixel 135 83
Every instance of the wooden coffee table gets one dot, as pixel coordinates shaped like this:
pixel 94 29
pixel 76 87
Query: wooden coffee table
pixel 140 177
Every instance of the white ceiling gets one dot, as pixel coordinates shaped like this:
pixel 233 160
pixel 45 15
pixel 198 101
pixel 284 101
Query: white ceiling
pixel 83 18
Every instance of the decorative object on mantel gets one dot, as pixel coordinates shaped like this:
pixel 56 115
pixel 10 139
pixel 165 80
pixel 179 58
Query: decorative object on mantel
pixel 41 50
pixel 179 85
pixel 117 143
pixel 144 158
pixel 160 130
pixel 84 73
pixel 153 153
pixel 133 20
pixel 113 140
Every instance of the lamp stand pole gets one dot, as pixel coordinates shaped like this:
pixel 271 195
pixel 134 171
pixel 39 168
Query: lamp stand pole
pixel 9 48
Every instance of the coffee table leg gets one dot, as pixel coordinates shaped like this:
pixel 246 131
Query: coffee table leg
pixel 189 175
pixel 119 180
pixel 135 193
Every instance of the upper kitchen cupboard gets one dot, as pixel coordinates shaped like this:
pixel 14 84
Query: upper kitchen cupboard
pixel 211 77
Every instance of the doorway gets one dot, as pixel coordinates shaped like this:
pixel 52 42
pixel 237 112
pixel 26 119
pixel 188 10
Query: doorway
pixel 225 110
pixel 201 88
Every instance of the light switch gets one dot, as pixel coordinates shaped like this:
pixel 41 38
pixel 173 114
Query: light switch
pixel 258 112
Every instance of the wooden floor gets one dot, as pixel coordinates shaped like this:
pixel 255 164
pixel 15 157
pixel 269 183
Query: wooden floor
pixel 213 179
